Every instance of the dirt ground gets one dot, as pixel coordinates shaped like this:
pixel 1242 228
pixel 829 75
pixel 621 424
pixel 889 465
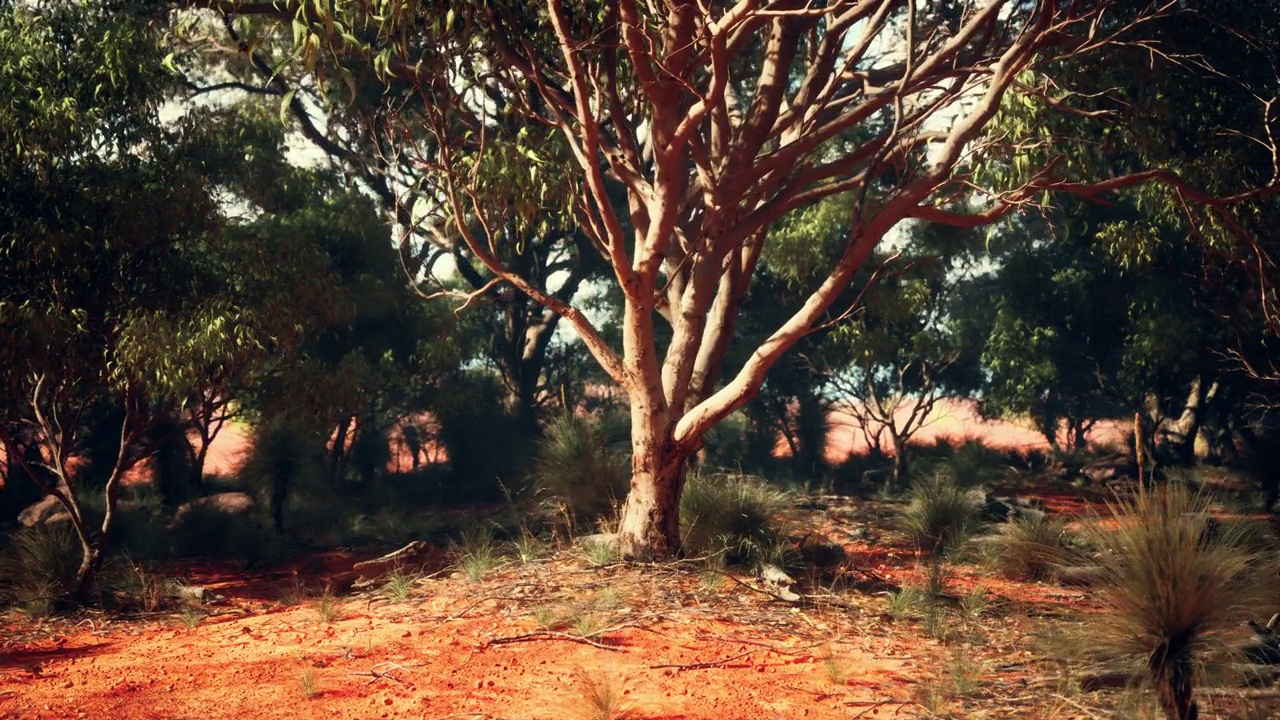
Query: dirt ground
pixel 529 640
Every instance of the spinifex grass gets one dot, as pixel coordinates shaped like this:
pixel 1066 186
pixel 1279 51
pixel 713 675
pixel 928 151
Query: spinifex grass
pixel 603 697
pixel 399 584
pixel 1173 584
pixel 327 607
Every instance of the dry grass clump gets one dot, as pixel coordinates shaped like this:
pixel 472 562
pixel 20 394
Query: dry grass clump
pixel 732 513
pixel 1174 586
pixel 942 515
pixel 1031 548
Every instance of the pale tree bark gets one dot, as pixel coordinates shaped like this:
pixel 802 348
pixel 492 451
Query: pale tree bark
pixel 1179 435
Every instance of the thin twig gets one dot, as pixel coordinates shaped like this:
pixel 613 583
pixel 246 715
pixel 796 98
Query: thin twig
pixel 701 665
pixel 548 635
pixel 375 674
pixel 748 586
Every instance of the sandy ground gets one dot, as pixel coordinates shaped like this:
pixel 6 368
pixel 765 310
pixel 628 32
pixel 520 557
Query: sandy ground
pixel 677 642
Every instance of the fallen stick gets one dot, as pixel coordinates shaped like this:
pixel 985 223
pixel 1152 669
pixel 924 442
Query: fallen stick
pixel 546 634
pixel 701 665
pixel 748 586
pixel 375 674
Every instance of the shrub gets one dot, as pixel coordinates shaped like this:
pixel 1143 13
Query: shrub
pixel 583 466
pixel 942 515
pixel 1031 548
pixel 734 513
pixel 370 450
pixel 282 457
pixel 38 568
pixel 1173 583
pixel 206 532
pixel 973 463
pixel 486 446
pixel 141 522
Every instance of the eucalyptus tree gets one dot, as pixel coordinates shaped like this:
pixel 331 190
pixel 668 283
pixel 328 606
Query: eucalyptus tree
pixel 694 127
pixel 1187 263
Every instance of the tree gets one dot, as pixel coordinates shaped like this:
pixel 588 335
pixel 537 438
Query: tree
pixel 713 121
pixel 901 353
pixel 1188 278
pixel 79 221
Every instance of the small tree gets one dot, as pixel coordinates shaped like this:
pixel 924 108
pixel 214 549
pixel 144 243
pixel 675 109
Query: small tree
pixel 903 354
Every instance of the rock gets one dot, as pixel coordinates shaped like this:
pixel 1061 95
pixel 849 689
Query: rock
pixel 1008 509
pixel 771 573
pixel 610 539
pixel 1110 468
pixel 48 510
pixel 227 503
pixel 779 582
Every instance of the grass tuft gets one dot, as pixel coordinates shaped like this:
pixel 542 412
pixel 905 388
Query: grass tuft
pixel 38 569
pixel 478 561
pixel 582 464
pixel 327 607
pixel 942 515
pixel 307 684
pixel 1174 585
pixel 733 513
pixel 836 670
pixel 975 604
pixel 908 602
pixel 190 617
pixel 399 584
pixel 964 674
pixel 529 547
pixel 603 697
pixel 584 622
pixel 545 617
pixel 600 552
pixel 1031 549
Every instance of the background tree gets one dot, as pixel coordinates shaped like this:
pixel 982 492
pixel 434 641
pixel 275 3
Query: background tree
pixel 901 353
pixel 86 260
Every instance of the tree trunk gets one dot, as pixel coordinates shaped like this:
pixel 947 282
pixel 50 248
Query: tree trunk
pixel 90 559
pixel 338 453
pixel 1180 435
pixel 197 465
pixel 1174 693
pixel 650 524
pixel 901 466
